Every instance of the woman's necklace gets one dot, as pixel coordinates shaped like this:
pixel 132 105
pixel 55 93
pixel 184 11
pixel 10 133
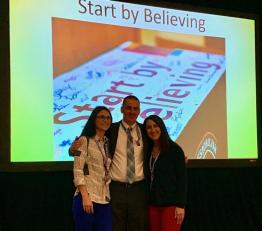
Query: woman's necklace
pixel 104 150
pixel 153 158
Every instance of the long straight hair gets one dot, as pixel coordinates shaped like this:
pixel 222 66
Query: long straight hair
pixel 89 129
pixel 164 138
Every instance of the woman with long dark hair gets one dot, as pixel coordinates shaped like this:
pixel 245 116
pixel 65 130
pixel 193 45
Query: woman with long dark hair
pixel 167 177
pixel 91 203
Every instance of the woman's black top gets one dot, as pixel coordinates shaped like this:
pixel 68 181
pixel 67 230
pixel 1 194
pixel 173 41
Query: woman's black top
pixel 169 183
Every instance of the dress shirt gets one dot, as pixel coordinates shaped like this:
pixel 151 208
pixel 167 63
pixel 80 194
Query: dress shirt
pixel 98 162
pixel 118 170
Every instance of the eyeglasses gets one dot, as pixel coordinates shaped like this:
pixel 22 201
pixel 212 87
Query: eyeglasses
pixel 102 117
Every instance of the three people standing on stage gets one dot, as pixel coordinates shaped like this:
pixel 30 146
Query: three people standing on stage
pixel 140 155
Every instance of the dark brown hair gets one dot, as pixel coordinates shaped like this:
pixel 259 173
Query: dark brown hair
pixel 164 138
pixel 90 126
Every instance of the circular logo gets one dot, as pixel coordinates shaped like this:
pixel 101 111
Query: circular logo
pixel 207 148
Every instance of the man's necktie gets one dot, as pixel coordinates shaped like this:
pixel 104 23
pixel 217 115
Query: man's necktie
pixel 130 157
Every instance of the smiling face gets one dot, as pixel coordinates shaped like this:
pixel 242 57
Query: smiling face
pixel 130 110
pixel 103 121
pixel 153 130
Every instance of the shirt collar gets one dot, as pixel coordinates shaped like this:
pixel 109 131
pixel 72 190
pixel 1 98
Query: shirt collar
pixel 128 126
pixel 99 139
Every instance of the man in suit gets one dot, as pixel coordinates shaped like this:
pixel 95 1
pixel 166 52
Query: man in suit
pixel 128 196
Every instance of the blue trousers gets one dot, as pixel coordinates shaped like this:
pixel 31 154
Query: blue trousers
pixel 100 220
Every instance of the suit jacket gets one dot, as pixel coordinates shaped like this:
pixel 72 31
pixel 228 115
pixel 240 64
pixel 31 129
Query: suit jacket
pixel 112 135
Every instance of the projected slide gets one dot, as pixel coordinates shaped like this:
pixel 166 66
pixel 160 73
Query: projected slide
pixel 170 83
pixel 184 66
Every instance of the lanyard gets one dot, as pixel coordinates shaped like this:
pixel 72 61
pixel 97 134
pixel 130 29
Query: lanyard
pixel 138 132
pixel 152 163
pixel 105 153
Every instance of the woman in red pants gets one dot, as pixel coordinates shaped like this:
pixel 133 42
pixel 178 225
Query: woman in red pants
pixel 167 178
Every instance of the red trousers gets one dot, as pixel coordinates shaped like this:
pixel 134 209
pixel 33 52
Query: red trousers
pixel 162 219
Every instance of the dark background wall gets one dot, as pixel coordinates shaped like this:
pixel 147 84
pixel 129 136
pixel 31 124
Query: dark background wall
pixel 218 199
pixel 228 198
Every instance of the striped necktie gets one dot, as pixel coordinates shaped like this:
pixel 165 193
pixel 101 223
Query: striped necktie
pixel 130 157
